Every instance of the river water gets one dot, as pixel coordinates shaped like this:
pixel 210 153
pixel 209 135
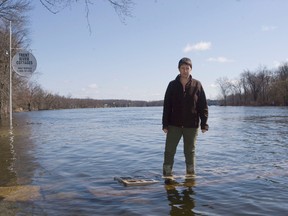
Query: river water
pixel 67 161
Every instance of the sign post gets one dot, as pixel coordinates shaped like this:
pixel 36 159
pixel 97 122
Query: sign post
pixel 24 63
pixel 10 77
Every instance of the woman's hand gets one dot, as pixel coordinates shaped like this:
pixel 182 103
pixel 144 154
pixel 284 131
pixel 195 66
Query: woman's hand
pixel 165 130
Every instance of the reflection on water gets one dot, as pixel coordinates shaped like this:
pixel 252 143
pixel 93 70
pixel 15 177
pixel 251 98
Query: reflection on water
pixel 7 156
pixel 181 202
pixel 181 198
pixel 67 160
pixel 16 169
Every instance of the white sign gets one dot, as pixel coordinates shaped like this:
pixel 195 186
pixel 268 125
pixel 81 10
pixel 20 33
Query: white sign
pixel 24 63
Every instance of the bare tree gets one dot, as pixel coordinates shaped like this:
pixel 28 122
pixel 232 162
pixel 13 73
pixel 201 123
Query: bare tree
pixel 280 87
pixel 123 8
pixel 245 86
pixel 14 11
pixel 253 83
pixel 282 71
pixel 264 79
pixel 225 87
pixel 4 71
pixel 237 88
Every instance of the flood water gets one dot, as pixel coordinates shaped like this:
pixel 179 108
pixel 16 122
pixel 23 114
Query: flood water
pixel 67 161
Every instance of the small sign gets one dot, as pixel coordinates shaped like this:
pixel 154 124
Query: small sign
pixel 24 63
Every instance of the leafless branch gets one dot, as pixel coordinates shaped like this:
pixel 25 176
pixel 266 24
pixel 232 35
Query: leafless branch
pixel 123 8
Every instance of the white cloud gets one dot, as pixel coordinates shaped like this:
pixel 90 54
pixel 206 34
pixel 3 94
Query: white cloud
pixel 201 46
pixel 93 86
pixel 268 28
pixel 220 59
pixel 90 91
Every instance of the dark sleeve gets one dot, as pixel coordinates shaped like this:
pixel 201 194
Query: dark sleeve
pixel 167 107
pixel 203 109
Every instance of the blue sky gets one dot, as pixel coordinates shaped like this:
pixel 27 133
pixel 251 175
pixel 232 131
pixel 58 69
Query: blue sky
pixel 136 60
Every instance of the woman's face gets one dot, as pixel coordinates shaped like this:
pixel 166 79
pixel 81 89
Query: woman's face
pixel 185 71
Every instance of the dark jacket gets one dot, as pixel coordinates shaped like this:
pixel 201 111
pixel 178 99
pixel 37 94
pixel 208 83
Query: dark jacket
pixel 185 108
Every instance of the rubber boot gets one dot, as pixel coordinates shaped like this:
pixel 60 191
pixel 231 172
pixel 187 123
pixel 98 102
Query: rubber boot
pixel 167 170
pixel 190 164
pixel 190 170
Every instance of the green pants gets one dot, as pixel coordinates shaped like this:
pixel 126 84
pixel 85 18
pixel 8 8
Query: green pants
pixel 172 140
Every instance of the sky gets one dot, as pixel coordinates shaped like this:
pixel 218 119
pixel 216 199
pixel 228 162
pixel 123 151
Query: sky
pixel 136 59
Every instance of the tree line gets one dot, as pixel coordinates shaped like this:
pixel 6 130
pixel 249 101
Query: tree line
pixel 261 87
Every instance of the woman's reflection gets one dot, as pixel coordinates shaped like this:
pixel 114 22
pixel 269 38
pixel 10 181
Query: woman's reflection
pixel 180 196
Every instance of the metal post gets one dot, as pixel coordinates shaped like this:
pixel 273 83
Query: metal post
pixel 10 85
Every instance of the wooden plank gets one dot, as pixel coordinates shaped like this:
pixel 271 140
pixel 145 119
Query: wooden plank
pixel 129 181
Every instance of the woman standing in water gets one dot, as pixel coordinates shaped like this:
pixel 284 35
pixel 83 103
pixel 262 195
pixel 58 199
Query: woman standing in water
pixel 185 108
